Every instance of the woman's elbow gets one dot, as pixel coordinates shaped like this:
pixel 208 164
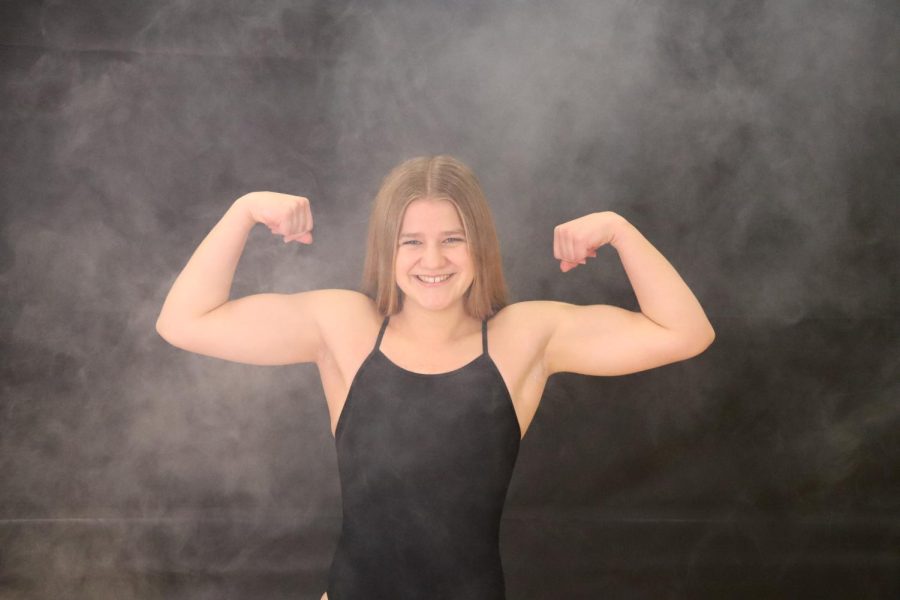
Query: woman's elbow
pixel 700 342
pixel 707 340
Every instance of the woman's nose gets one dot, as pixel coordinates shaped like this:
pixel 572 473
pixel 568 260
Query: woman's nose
pixel 433 256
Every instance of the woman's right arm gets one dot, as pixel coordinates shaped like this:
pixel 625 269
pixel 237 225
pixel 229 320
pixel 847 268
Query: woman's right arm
pixel 263 329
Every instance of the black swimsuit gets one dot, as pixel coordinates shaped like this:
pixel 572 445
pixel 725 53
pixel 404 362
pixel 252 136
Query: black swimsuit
pixel 425 461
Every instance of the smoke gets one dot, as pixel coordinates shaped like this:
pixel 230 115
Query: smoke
pixel 754 143
pixel 743 116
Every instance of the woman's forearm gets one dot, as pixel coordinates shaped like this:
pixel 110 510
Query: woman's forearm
pixel 663 295
pixel 205 282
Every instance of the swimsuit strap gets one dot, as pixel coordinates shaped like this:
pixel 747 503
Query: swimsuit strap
pixel 484 344
pixel 381 333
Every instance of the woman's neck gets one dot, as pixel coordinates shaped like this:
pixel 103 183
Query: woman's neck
pixel 433 327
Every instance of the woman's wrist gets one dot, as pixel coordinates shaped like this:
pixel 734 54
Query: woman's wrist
pixel 620 228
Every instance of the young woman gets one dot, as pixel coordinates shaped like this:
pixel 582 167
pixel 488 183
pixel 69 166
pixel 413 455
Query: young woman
pixel 430 377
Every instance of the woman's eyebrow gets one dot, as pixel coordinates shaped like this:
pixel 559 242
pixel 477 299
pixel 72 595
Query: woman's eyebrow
pixel 417 234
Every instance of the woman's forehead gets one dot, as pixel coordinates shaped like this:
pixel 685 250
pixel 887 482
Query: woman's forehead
pixel 429 215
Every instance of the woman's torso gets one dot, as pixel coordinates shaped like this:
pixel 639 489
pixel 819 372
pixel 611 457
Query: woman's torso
pixel 515 348
pixel 425 461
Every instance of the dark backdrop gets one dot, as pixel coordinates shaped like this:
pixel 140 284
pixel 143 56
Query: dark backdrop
pixel 754 143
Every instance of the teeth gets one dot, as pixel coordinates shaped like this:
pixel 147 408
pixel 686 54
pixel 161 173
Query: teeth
pixel 427 279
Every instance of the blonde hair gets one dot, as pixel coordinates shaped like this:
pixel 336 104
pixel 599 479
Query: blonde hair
pixel 439 177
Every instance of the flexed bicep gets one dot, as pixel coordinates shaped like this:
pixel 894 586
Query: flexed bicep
pixel 601 339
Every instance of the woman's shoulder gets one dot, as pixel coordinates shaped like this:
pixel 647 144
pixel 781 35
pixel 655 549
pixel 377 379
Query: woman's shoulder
pixel 535 319
pixel 344 296
pixel 539 310
pixel 519 335
pixel 346 319
pixel 335 304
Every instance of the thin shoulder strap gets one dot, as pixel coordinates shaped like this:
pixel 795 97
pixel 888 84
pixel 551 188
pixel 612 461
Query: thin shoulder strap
pixel 484 336
pixel 381 333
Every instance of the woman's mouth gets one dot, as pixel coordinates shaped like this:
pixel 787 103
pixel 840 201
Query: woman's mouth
pixel 433 281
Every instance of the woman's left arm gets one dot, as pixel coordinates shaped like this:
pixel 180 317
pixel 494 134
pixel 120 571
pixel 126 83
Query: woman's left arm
pixel 671 325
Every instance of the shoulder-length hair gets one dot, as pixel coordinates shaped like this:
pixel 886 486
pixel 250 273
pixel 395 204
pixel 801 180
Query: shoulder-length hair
pixel 439 177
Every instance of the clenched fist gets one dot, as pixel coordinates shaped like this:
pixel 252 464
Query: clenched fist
pixel 283 214
pixel 577 240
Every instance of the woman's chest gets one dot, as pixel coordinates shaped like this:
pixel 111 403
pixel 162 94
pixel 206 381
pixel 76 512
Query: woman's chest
pixel 516 361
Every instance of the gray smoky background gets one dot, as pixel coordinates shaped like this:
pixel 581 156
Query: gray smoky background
pixel 754 143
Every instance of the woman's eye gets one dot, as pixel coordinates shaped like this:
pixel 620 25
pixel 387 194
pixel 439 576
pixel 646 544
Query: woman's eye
pixel 452 240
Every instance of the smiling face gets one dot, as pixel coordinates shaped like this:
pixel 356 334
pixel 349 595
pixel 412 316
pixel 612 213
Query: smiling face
pixel 422 195
pixel 431 246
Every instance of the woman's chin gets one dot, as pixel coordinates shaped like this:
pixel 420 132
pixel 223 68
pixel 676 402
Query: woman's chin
pixel 433 303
